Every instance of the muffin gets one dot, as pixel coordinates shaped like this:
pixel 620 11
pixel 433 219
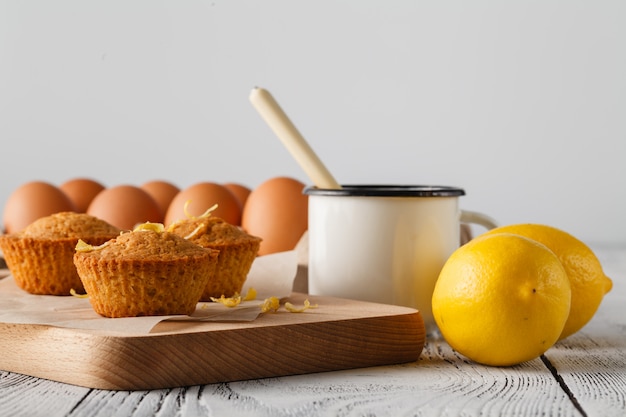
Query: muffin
pixel 145 273
pixel 237 251
pixel 40 257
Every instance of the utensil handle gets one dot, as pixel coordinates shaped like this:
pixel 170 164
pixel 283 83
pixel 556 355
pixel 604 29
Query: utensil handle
pixel 278 121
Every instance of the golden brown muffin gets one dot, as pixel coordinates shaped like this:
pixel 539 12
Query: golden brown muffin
pixel 237 251
pixel 40 257
pixel 145 273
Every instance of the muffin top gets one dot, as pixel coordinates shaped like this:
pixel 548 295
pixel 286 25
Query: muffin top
pixel 145 245
pixel 210 231
pixel 68 224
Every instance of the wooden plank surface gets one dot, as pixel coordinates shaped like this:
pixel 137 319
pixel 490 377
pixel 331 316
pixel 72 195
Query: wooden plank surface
pixel 590 365
pixel 339 334
pixel 439 383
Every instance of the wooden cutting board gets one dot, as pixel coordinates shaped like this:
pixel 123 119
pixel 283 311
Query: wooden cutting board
pixel 338 334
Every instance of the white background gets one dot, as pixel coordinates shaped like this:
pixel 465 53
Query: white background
pixel 521 103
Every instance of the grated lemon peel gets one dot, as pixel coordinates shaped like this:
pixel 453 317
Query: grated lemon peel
pixel 149 226
pixel 195 231
pixel 82 246
pixel 293 309
pixel 250 295
pixel 236 299
pixel 207 213
pixel 270 305
pixel 233 301
pixel 73 293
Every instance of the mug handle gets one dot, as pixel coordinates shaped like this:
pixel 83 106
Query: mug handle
pixel 478 218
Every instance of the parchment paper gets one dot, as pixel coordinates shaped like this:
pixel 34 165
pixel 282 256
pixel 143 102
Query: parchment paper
pixel 270 275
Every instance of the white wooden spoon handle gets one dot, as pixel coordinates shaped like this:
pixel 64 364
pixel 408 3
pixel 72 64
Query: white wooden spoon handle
pixel 278 121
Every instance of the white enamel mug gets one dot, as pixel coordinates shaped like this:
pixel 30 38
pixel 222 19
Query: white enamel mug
pixel 384 243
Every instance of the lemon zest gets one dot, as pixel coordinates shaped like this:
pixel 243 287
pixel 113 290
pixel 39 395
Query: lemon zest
pixel 149 226
pixel 270 305
pixel 207 213
pixel 250 295
pixel 195 231
pixel 186 211
pixel 233 301
pixel 293 309
pixel 173 225
pixel 73 293
pixel 82 246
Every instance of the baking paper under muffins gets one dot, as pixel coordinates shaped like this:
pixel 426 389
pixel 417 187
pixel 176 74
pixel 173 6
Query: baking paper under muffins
pixel 145 273
pixel 40 257
pixel 237 251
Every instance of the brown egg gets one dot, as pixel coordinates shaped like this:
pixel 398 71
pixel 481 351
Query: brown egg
pixel 163 193
pixel 81 191
pixel 277 211
pixel 240 191
pixel 201 197
pixel 124 206
pixel 32 201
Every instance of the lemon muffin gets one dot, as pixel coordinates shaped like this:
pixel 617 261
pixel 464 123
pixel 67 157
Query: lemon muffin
pixel 40 257
pixel 237 251
pixel 145 273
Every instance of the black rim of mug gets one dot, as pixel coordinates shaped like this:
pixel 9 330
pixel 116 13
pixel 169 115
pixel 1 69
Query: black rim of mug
pixel 387 190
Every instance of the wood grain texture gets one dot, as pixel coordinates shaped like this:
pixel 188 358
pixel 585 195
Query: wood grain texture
pixel 339 334
pixel 589 371
pixel 592 362
pixel 440 383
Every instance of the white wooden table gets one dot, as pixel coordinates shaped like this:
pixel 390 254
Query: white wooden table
pixel 584 375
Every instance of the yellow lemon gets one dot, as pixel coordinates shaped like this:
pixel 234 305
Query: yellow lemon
pixel 588 281
pixel 501 299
